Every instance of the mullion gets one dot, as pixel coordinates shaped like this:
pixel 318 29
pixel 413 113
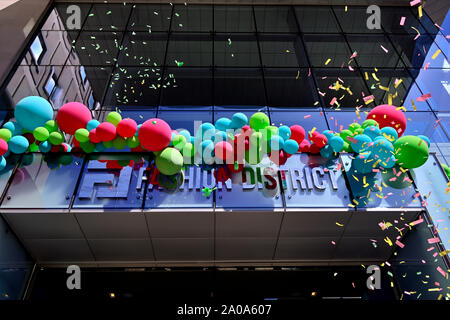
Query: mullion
pixel 260 60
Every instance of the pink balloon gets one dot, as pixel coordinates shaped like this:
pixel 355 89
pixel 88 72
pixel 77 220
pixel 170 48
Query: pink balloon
pixel 155 134
pixel 106 131
pixel 126 128
pixel 73 116
pixel 388 116
pixel 3 147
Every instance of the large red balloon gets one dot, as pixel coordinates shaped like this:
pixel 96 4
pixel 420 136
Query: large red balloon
pixel 73 116
pixel 93 137
pixel 155 134
pixel 224 151
pixel 3 147
pixel 388 116
pixel 126 128
pixel 105 131
pixel 297 133
pixel 304 146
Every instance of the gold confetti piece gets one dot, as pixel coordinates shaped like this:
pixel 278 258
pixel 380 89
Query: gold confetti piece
pixel 414 105
pixel 298 75
pixel 375 77
pixel 419 8
pixel 390 99
pixel 438 51
pixel 398 83
pixel 366 75
pixel 355 178
pixel 328 61
pixel 383 88
pixel 339 224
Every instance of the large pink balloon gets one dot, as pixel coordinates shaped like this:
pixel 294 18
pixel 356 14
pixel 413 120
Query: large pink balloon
pixel 105 131
pixel 155 134
pixel 73 116
pixel 388 116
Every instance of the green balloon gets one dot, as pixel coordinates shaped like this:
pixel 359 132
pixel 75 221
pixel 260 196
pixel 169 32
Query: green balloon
pixel 56 138
pixel 368 123
pixel 446 169
pixel 353 126
pixel 34 148
pixel 114 118
pixel 411 151
pixel 347 147
pixel 82 135
pixel 394 181
pixel 41 134
pixel 359 131
pixel 66 159
pixel 119 143
pixel 133 142
pixel 253 155
pixel 5 134
pixel 344 134
pixel 123 162
pixel 259 121
pixel 179 141
pixel 188 150
pixel 107 144
pixel 51 126
pixel 87 146
pixel 169 162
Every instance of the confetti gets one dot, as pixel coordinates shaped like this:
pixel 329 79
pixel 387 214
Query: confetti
pixel 420 11
pixel 414 2
pixel 402 21
pixel 384 49
pixel 328 61
pixel 438 51
pixel 424 97
pixel 298 75
pixel 401 245
pixel 433 240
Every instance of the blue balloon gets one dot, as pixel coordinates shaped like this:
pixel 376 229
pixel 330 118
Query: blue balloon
pixel 206 131
pixel 45 146
pixel 372 132
pixel 219 136
pixel 389 133
pixel 207 151
pixel 14 127
pixel 328 133
pixel 192 140
pixel 92 124
pixel 276 143
pixel 326 151
pixel 18 144
pixel 2 163
pixel 137 131
pixel 363 163
pixel 284 132
pixel 99 147
pixel 223 124
pixel 171 139
pixel 336 143
pixel 238 120
pixel 290 146
pixel 362 143
pixel 389 163
pixel 185 134
pixel 382 149
pixel 32 112
pixel 426 139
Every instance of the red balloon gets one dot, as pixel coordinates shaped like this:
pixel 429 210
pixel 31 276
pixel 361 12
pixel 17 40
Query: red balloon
pixel 105 131
pixel 389 116
pixel 224 151
pixel 73 116
pixel 304 146
pixel 246 128
pixel 314 149
pixel 320 140
pixel 65 147
pixel 138 149
pixel 297 133
pixel 76 143
pixel 155 134
pixel 93 136
pixel 3 147
pixel 278 157
pixel 312 135
pixel 235 168
pixel 30 137
pixel 221 174
pixel 126 128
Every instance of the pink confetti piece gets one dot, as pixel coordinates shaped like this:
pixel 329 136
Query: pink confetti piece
pixel 435 254
pixel 414 2
pixel 402 21
pixel 371 97
pixel 433 240
pixel 354 55
pixel 417 195
pixel 426 66
pixel 416 222
pixel 333 101
pixel 401 245
pixel 447 37
pixel 440 28
pixel 430 249
pixel 350 68
pixel 333 243
pixel 309 72
pixel 424 97
pixel 384 49
pixel 439 269
pixel 307 116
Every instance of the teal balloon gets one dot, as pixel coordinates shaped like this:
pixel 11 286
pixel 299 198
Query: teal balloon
pixel 223 124
pixel 284 132
pixel 276 143
pixel 185 134
pixel 206 131
pixel 336 143
pixel 362 143
pixel 328 133
pixel 219 136
pixel 18 144
pixel 99 147
pixel 382 149
pixel 389 163
pixel 92 124
pixel 32 112
pixel 137 131
pixel 327 151
pixel 45 146
pixel 426 139
pixel 363 163
pixel 389 133
pixel 372 132
pixel 171 139
pixel 14 127
pixel 238 120
pixel 290 146
pixel 2 163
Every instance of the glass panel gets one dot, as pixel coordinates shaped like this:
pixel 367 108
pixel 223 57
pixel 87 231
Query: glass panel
pixel 112 182
pixel 50 48
pixel 310 179
pixel 392 16
pixel 150 17
pixel 107 17
pixel 143 49
pixel 316 19
pixel 281 83
pixel 275 19
pixel 323 47
pixel 227 112
pixel 339 120
pixel 233 19
pixel 239 87
pixel 380 189
pixel 5 173
pixel 189 50
pixel 188 193
pixel 51 84
pixel 413 52
pixel 308 119
pixel 282 51
pixel 46 182
pixel 192 18
pixel 61 16
pixel 186 118
pixel 36 49
pixel 436 83
pixel 374 51
pixel 98 48
pixel 353 19
pixel 236 50
pixel 187 86
pixel 346 86
pixel 255 187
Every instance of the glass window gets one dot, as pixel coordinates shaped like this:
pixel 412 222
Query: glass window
pixel 308 118
pixel 236 50
pixel 282 51
pixel 107 17
pixel 339 120
pixel 327 50
pixel 243 86
pixel 51 85
pixel 150 17
pixel 353 19
pixel 60 17
pixel 281 83
pixel 233 19
pixel 436 83
pixel 192 18
pixel 83 74
pixel 44 182
pixel 91 101
pixel 190 50
pixel 98 48
pixel 188 118
pixel 392 16
pixel 413 52
pixel 37 48
pixel 316 19
pixel 275 19
pixel 143 49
